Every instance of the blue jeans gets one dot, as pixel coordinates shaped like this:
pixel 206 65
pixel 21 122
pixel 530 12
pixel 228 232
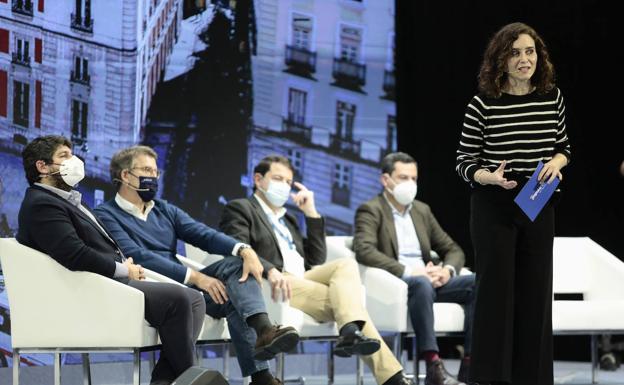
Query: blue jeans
pixel 420 299
pixel 245 300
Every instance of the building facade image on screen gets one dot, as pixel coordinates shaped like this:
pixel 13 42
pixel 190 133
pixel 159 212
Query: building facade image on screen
pixel 212 86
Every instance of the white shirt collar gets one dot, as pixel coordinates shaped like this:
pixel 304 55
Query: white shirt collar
pixel 63 194
pixel 394 210
pixel 267 210
pixel 74 197
pixel 131 209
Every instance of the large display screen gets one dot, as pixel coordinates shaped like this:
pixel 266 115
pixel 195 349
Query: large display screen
pixel 212 87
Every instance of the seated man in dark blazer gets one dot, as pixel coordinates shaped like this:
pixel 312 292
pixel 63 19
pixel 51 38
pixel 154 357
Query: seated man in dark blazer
pixel 295 266
pixel 53 220
pixel 396 233
pixel 149 230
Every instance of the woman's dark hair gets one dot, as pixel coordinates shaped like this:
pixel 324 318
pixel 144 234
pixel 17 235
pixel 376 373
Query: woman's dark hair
pixel 492 75
pixel 41 148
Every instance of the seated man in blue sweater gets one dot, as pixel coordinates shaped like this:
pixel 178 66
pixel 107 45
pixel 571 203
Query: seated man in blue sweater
pixel 149 229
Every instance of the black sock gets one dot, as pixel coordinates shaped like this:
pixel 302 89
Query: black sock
pixel 262 377
pixel 349 329
pixel 394 379
pixel 259 322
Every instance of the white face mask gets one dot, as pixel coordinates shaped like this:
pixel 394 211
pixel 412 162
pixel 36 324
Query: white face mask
pixel 405 192
pixel 277 193
pixel 72 171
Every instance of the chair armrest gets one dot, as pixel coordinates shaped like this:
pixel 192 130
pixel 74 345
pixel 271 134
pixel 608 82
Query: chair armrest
pixel 52 306
pixel 281 312
pixel 338 247
pixel 198 255
pixel 386 299
pixel 152 276
pixel 190 263
pixel 388 312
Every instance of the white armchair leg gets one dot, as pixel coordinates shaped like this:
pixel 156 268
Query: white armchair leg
pixel 330 363
pixel 57 368
pixel 396 346
pixel 86 369
pixel 594 358
pixel 226 361
pixel 16 364
pixel 359 370
pixel 279 366
pixel 136 374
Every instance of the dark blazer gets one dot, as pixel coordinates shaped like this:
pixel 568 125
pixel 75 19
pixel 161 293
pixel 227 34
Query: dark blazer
pixel 54 226
pixel 244 219
pixel 375 241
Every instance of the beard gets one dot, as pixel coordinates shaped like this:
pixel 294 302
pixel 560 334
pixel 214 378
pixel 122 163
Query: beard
pixel 58 182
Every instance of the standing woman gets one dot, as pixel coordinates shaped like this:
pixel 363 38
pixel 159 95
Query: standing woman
pixel 516 120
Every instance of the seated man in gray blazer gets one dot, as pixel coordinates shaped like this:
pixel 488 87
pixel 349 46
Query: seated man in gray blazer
pixel 396 233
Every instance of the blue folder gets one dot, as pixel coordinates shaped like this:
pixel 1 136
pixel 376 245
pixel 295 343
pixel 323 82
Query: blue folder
pixel 534 195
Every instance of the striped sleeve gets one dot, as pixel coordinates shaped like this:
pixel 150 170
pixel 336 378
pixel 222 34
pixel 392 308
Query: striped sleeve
pixel 562 144
pixel 471 141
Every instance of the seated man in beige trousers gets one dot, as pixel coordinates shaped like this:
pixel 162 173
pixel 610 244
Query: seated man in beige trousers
pixel 329 292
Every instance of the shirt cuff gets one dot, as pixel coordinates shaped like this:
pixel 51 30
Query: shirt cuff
pixel 407 272
pixel 452 269
pixel 237 247
pixel 187 276
pixel 121 270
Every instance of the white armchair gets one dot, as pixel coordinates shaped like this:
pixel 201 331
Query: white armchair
pixel 386 295
pixel 55 310
pixel 386 300
pixel 279 312
pixel 593 278
pixel 214 331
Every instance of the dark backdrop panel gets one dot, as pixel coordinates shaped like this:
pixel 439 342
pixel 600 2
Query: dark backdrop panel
pixel 439 50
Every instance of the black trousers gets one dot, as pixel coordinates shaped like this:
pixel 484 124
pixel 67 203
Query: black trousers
pixel 177 313
pixel 512 330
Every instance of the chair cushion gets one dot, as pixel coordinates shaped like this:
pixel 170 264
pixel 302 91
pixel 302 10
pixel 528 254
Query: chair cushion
pixel 448 317
pixel 588 315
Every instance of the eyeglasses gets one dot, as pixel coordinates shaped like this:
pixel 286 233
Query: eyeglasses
pixel 148 170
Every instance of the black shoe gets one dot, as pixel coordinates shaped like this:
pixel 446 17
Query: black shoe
pixel 400 380
pixel 437 375
pixel 161 382
pixel 608 362
pixel 356 343
pixel 275 340
pixel 464 369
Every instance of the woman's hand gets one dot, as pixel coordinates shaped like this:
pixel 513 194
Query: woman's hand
pixel 497 177
pixel 552 169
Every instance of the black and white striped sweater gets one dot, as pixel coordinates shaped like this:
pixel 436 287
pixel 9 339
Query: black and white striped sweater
pixel 521 129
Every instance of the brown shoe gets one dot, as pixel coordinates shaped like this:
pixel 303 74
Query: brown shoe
pixel 437 375
pixel 273 340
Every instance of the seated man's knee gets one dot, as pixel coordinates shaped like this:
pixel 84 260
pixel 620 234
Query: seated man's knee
pixel 197 300
pixel 348 264
pixel 419 283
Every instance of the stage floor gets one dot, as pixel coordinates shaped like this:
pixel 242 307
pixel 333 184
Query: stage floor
pixel 311 368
